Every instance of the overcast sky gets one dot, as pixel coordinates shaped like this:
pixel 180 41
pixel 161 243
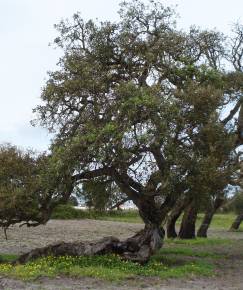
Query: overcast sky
pixel 26 29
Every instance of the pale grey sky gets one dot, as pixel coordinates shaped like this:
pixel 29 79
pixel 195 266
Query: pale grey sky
pixel 26 29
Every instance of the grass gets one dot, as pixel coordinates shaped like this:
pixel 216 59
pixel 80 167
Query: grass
pixel 220 221
pixel 176 259
pixel 7 257
pixel 191 253
pixel 165 264
pixel 198 242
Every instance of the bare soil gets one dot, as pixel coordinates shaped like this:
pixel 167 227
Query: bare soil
pixel 229 271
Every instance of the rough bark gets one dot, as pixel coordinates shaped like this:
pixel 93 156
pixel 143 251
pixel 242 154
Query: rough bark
pixel 187 229
pixel 138 248
pixel 213 207
pixel 173 217
pixel 236 224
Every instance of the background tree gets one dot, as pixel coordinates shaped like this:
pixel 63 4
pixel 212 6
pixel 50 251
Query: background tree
pixel 19 188
pixel 102 194
pixel 233 97
pixel 238 208
pixel 174 215
pixel 212 171
pixel 215 202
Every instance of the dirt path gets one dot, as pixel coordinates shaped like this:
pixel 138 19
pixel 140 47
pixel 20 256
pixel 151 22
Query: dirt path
pixel 230 270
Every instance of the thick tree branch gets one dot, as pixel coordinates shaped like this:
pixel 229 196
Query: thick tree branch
pixel 159 158
pixel 127 185
pixel 92 174
pixel 232 112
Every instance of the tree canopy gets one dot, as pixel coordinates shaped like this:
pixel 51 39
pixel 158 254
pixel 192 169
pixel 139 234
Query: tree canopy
pixel 139 101
pixel 19 186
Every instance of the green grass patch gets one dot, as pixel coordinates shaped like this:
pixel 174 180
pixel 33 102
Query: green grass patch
pixel 198 242
pixel 221 221
pixel 7 258
pixel 191 253
pixel 108 267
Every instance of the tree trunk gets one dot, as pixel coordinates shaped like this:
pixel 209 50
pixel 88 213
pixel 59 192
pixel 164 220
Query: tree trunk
pixel 237 222
pixel 187 229
pixel 213 207
pixel 137 248
pixel 173 217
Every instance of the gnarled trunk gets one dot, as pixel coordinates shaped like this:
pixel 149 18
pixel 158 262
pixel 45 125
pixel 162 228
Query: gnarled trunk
pixel 236 224
pixel 145 243
pixel 137 248
pixel 173 217
pixel 187 229
pixel 213 207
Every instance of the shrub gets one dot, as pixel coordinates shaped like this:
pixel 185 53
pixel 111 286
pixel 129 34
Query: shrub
pixel 67 211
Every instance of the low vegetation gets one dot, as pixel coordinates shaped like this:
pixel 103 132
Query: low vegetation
pixel 178 258
pixel 167 263
pixel 69 212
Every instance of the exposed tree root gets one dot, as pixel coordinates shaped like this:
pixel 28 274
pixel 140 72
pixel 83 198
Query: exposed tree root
pixel 138 248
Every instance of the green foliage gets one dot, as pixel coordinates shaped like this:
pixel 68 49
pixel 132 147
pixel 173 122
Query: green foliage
pixel 136 104
pixel 100 193
pixel 69 212
pixel 66 211
pixel 19 186
pixel 73 201
pixel 130 216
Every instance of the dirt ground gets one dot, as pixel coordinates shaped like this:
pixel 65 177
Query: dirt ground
pixel 229 271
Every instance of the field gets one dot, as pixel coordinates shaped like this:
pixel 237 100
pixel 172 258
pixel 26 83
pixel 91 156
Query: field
pixel 213 263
